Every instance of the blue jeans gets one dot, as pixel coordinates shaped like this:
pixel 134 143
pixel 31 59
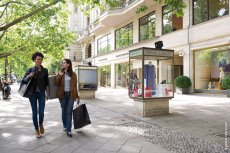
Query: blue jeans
pixel 40 98
pixel 67 111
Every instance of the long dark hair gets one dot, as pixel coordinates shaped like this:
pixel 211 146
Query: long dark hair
pixel 69 70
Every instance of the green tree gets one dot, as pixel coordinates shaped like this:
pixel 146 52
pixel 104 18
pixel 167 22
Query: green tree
pixel 46 31
pixel 14 12
pixel 27 26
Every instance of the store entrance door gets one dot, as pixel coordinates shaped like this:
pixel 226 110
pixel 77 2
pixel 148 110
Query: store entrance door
pixel 104 78
pixel 178 70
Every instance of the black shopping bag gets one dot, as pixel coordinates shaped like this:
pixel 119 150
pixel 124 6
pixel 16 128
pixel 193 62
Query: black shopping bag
pixel 81 116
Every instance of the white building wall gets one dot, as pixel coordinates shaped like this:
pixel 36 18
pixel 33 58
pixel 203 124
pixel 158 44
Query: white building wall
pixel 187 18
pixel 158 11
pixel 135 30
pixel 74 25
pixel 209 30
pixel 192 37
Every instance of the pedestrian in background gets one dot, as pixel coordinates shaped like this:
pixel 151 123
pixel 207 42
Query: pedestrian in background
pixel 1 85
pixel 37 91
pixel 66 80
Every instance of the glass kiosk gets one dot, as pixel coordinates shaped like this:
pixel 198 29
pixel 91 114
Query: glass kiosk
pixel 87 81
pixel 151 79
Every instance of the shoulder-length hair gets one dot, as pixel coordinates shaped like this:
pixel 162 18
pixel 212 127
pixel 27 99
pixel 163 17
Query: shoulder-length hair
pixel 34 56
pixel 70 69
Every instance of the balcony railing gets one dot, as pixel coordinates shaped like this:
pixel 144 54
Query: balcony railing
pixel 83 33
pixel 94 24
pixel 120 5
pixel 131 1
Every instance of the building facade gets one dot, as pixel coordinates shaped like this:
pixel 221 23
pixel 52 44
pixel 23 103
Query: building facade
pixel 74 52
pixel 200 39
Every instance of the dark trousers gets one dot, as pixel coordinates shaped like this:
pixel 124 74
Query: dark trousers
pixel 37 98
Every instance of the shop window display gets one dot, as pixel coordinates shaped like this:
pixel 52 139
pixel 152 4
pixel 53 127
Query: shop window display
pixel 104 75
pixel 151 73
pixel 122 70
pixel 212 65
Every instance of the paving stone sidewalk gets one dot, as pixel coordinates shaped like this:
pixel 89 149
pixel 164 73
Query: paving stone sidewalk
pixel 102 136
pixel 112 130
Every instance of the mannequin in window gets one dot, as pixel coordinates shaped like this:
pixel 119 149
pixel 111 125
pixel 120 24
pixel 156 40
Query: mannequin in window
pixel 223 63
pixel 227 67
pixel 149 76
pixel 133 84
pixel 211 85
pixel 222 74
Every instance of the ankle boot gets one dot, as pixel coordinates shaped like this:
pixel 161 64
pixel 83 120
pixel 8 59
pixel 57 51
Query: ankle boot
pixel 37 134
pixel 42 130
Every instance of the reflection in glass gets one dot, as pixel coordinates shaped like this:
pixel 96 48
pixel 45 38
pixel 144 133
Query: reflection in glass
pixel 147 26
pixel 87 79
pixel 211 67
pixel 124 36
pixel 122 70
pixel 205 10
pixel 104 75
pixel 158 78
pixel 170 21
pixel 104 44
pixel 135 76
pixel 151 73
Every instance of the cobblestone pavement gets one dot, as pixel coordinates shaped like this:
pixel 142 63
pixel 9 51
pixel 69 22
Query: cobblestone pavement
pixel 169 139
pixel 112 130
pixel 196 122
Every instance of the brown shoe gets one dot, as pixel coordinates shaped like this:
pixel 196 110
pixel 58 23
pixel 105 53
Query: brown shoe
pixel 37 134
pixel 42 130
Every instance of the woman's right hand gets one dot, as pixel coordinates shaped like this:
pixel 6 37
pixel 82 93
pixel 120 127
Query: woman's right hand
pixel 31 74
pixel 60 73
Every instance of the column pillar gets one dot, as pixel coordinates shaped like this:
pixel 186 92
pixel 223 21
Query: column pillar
pixel 113 75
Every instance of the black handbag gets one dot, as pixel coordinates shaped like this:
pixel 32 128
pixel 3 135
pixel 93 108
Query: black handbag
pixel 80 116
pixel 24 89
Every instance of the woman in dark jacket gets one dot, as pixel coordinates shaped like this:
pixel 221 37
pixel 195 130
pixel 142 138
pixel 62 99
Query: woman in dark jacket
pixel 39 83
pixel 66 80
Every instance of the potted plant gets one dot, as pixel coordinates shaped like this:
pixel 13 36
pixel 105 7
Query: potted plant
pixel 182 83
pixel 226 85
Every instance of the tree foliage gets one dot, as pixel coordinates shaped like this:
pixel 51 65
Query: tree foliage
pixel 176 5
pixel 45 31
